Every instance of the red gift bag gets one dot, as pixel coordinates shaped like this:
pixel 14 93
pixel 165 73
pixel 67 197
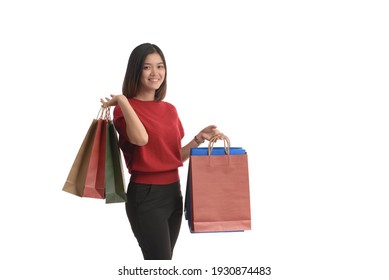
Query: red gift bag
pixel 219 191
pixel 95 175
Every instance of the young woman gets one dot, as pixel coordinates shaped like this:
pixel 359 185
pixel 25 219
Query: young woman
pixel 150 134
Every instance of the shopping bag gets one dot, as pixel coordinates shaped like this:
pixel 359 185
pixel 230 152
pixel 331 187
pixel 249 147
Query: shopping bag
pixel 95 176
pixel 87 174
pixel 114 179
pixel 203 152
pixel 218 196
pixel 75 182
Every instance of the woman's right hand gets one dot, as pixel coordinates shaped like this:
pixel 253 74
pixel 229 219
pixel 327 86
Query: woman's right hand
pixel 111 101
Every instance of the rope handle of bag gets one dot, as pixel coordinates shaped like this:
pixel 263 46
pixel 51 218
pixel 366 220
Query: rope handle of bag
pixel 226 142
pixel 104 113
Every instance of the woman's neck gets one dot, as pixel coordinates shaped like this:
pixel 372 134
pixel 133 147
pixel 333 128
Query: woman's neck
pixel 145 95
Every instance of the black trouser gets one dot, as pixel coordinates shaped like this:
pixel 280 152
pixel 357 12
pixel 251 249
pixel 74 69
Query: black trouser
pixel 155 214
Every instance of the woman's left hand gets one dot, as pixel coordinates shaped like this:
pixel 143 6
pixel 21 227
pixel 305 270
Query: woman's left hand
pixel 208 132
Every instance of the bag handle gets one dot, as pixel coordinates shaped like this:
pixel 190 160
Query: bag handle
pixel 226 141
pixel 101 113
pixel 104 113
pixel 108 113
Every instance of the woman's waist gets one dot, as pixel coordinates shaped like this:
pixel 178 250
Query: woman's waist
pixel 155 177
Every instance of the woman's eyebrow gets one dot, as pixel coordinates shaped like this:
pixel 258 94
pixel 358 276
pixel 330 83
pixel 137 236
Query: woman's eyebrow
pixel 148 63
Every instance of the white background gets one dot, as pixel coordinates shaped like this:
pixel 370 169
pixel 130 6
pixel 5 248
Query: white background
pixel 301 85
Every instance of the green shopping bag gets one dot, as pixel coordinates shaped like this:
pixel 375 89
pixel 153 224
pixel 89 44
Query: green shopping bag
pixel 114 179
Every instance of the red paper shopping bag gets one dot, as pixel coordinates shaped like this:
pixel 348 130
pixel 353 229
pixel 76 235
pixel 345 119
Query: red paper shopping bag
pixel 219 191
pixel 95 175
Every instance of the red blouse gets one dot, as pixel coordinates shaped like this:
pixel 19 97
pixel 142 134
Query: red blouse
pixel 156 162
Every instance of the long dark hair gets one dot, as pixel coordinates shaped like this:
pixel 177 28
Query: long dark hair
pixel 134 70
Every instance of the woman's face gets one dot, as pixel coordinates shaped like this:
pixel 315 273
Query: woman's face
pixel 153 73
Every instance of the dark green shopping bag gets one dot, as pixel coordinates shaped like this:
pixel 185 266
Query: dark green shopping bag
pixel 114 179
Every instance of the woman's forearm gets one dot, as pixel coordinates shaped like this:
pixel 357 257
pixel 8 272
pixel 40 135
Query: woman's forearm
pixel 136 132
